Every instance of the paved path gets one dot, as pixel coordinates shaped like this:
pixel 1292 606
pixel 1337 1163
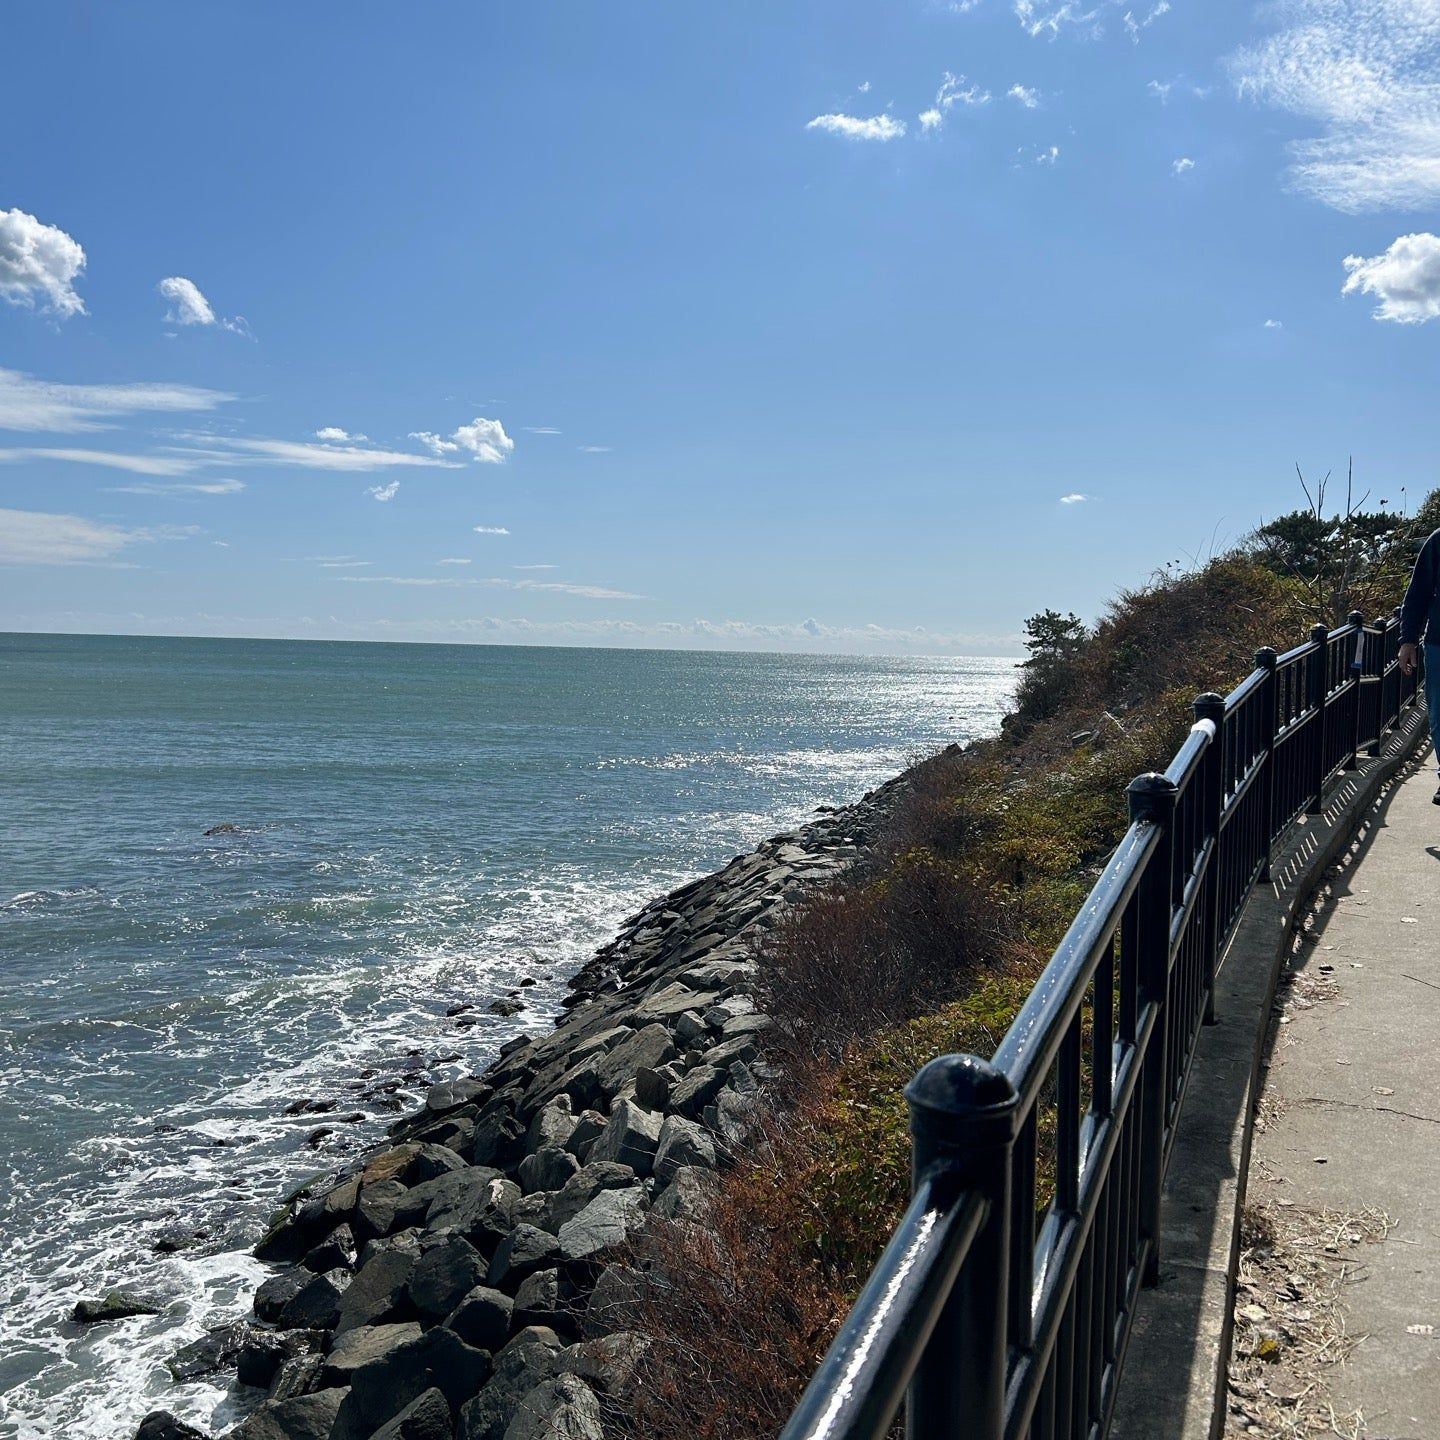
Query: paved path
pixel 1358 1076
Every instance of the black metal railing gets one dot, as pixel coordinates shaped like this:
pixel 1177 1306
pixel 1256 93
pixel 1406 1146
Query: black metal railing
pixel 1003 1303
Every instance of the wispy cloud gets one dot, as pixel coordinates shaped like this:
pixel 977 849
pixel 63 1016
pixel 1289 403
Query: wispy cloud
pixel 540 430
pixel 333 435
pixel 453 560
pixel 1274 325
pixel 1180 166
pixel 39 265
pixel 1364 73
pixel 187 306
pixel 341 562
pixel 45 405
pixel 1024 95
pixel 954 90
pixel 384 492
pixel 309 455
pixel 110 459
pixel 37 537
pixel 559 587
pixel 180 487
pixel 859 127
pixel 1073 498
pixel 490 530
pixel 595 449
pixel 1405 278
pixel 532 567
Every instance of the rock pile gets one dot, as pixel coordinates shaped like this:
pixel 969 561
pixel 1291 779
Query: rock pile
pixel 462 1281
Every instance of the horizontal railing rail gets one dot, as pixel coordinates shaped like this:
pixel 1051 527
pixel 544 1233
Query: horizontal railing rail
pixel 1001 1308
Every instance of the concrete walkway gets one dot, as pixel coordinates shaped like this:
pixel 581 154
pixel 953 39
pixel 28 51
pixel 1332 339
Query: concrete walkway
pixel 1355 1079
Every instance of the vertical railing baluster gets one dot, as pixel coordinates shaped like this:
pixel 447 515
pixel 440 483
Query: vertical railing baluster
pixel 1152 800
pixel 1211 779
pixel 1357 672
pixel 1319 686
pixel 962 1128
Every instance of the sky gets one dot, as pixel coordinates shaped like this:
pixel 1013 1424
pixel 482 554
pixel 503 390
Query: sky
pixel 838 325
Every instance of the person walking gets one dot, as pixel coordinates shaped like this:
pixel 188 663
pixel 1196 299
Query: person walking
pixel 1420 619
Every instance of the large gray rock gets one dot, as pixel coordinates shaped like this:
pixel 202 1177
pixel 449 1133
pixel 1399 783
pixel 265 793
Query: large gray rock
pixel 452 1094
pixel 114 1305
pixel 683 1143
pixel 562 1408
pixel 608 1362
pixel 532 1356
pixel 685 1198
pixel 480 1208
pixel 440 1193
pixel 265 1351
pixel 427 1417
pixel 613 1300
pixel 482 1318
pixel 631 1137
pixel 540 1301
pixel 523 1251
pixel 337 1251
pixel 552 1124
pixel 316 1306
pixel 581 1188
pixel 588 1128
pixel 375 1210
pixel 650 1047
pixel 696 1090
pixel 547 1169
pixel 301 1417
pixel 378 1290
pixel 380 1390
pixel 358 1347
pixel 271 1296
pixel 162 1425
pixel 607 1221
pixel 444 1275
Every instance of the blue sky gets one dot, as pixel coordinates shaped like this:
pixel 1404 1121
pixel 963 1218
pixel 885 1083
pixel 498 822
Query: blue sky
pixel 850 326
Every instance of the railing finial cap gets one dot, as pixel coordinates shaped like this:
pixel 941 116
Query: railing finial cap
pixel 1267 657
pixel 1152 796
pixel 960 1088
pixel 1209 701
pixel 1319 631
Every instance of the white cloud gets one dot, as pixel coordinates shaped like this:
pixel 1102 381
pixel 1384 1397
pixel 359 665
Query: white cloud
pixel 341 562
pixel 191 487
pixel 1405 279
pixel 39 262
pixel 1036 20
pixel 35 537
pixel 306 454
pixel 453 560
pixel 384 492
pixel 864 87
pixel 532 567
pixel 491 530
pixel 595 449
pixel 485 440
pixel 1024 95
pixel 954 91
pixel 559 587
pixel 1274 325
pixel 1180 166
pixel 30 404
pixel 187 305
pixel 1041 154
pixel 333 434
pixel 1133 27
pixel 857 127
pixel 541 430
pixel 1364 73
pixel 931 119
pixel 1074 498
pixel 111 459
pixel 1160 89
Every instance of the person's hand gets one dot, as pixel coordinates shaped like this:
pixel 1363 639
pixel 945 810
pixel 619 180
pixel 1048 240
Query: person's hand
pixel 1409 654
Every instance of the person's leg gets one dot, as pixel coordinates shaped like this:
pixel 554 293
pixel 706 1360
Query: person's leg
pixel 1432 699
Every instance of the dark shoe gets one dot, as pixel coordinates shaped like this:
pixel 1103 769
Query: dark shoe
pixel 1435 798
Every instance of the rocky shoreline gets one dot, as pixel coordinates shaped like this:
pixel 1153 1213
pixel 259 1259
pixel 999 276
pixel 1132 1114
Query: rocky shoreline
pixel 465 1281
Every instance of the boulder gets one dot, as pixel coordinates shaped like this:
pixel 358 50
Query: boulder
pixel 217 1349
pixel 698 1088
pixel 378 1290
pixel 581 1188
pixel 301 1417
pixel 608 1362
pixel 265 1351
pixel 561 1408
pixel 316 1306
pixel 683 1143
pixel 444 1275
pixel 588 1127
pixel 523 1251
pixel 685 1198
pixel 427 1417
pixel 358 1347
pixel 547 1169
pixel 631 1137
pixel 298 1375
pixel 336 1251
pixel 539 1301
pixel 375 1210
pixel 114 1305
pixel 482 1318
pixel 162 1425
pixel 499 1138
pixel 650 1047
pixel 275 1293
pixel 613 1299
pixel 652 1088
pixel 452 1094
pixel 476 1202
pixel 607 1221
pixel 552 1124
pixel 532 1356
pixel 380 1390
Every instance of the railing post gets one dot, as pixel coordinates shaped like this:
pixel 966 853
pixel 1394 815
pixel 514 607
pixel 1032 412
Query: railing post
pixel 1268 659
pixel 1382 686
pixel 1152 799
pixel 1319 686
pixel 962 1128
pixel 1211 707
pixel 1357 668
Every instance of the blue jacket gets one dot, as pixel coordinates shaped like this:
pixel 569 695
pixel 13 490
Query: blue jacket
pixel 1420 615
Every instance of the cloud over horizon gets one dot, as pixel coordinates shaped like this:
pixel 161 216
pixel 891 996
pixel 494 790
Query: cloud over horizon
pixel 39 262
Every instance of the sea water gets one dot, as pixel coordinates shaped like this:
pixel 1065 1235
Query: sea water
pixel 240 875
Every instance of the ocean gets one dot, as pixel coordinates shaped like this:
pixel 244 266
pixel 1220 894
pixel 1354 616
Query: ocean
pixel 245 878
